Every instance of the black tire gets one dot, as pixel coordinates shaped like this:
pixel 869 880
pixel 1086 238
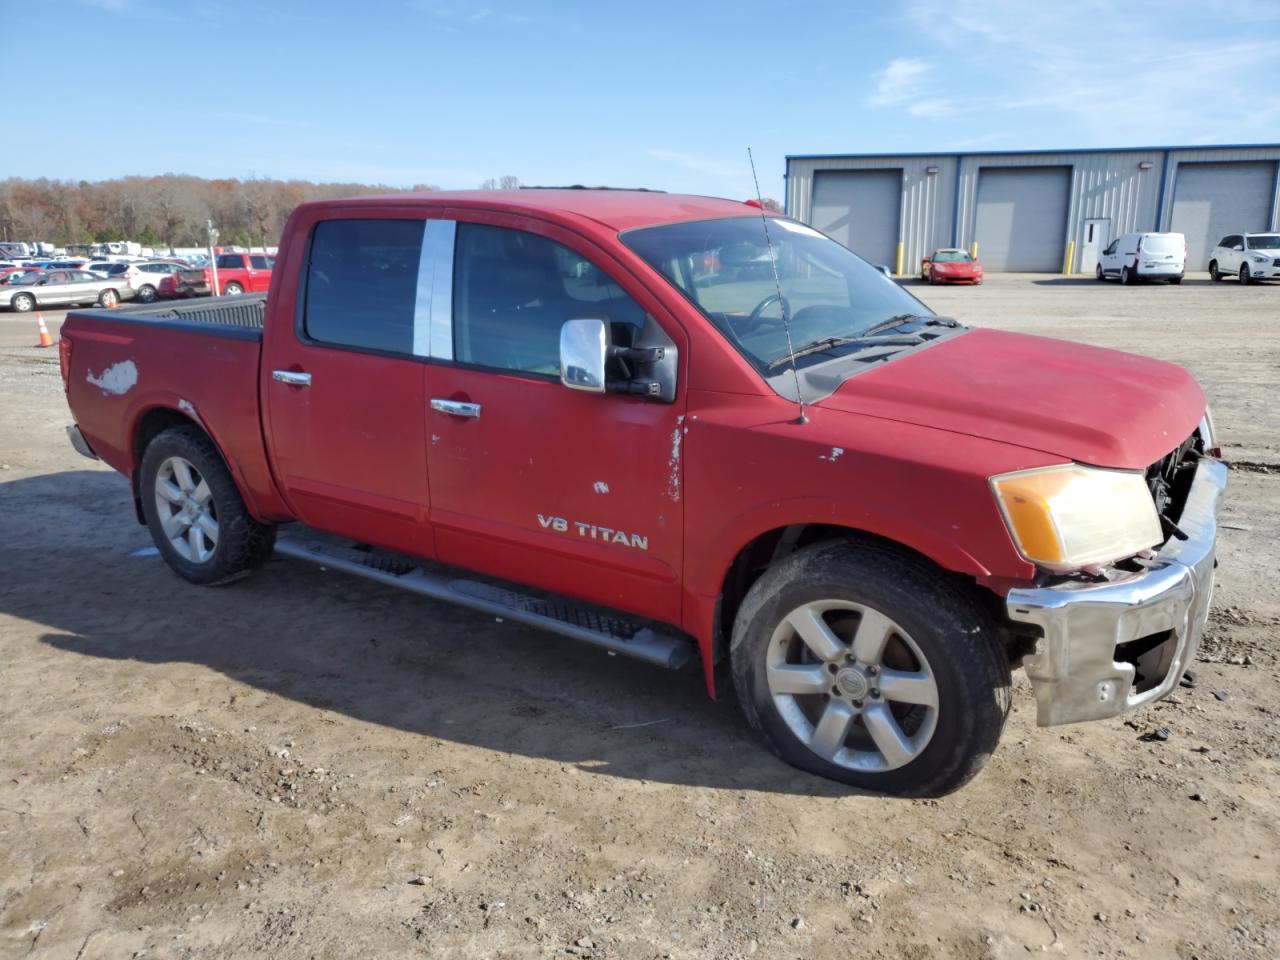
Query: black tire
pixel 23 303
pixel 233 289
pixel 108 298
pixel 146 293
pixel 1245 277
pixel 1097 273
pixel 1214 275
pixel 1175 280
pixel 1127 276
pixel 243 544
pixel 956 637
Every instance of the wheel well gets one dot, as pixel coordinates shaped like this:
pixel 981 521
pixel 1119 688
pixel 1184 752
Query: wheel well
pixel 766 549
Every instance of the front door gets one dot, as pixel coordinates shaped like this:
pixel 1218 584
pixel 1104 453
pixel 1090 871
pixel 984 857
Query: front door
pixel 1111 259
pixel 531 481
pixel 343 386
pixel 1096 235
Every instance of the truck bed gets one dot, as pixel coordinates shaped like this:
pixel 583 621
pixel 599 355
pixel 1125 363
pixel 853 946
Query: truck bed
pixel 238 317
pixel 138 369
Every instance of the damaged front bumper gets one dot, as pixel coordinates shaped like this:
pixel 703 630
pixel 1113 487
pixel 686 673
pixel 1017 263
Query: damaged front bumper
pixel 1107 648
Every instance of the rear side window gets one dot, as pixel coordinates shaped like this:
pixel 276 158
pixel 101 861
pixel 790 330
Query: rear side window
pixel 362 283
pixel 230 261
pixel 260 263
pixel 513 291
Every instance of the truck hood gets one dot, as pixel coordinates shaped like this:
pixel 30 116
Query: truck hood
pixel 1082 403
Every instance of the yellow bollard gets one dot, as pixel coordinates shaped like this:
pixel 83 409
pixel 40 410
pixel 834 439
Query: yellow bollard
pixel 1071 255
pixel 973 249
pixel 898 272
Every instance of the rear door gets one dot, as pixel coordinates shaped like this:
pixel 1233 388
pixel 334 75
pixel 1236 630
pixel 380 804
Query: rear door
pixel 259 274
pixel 343 384
pixel 575 492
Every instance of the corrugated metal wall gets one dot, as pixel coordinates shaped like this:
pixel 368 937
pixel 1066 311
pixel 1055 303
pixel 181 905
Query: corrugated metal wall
pixel 1110 185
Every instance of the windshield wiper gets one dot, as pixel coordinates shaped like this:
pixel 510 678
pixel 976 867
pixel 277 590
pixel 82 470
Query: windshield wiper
pixel 899 319
pixel 818 346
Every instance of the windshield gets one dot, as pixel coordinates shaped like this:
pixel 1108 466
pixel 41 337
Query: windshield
pixel 952 256
pixel 1162 243
pixel 1270 241
pixel 723 268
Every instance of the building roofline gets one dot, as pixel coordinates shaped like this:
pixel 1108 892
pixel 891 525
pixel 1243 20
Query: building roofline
pixel 1018 153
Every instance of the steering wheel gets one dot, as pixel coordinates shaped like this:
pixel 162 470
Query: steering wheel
pixel 755 321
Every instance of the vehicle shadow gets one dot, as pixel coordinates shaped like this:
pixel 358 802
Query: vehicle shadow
pixel 1086 281
pixel 376 654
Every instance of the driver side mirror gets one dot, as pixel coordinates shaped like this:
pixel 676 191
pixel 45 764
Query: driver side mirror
pixel 584 347
pixel 1238 247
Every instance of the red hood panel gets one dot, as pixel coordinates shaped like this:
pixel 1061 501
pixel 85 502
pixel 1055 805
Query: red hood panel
pixel 1095 406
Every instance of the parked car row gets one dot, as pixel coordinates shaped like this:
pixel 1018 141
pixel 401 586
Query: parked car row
pixel 236 273
pixel 56 288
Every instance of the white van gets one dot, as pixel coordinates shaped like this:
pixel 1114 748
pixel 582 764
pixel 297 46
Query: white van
pixel 1144 256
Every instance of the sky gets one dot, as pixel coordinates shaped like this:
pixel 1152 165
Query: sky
pixel 657 94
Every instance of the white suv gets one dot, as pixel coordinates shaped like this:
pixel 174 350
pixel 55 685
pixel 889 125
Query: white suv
pixel 1249 256
pixel 1144 256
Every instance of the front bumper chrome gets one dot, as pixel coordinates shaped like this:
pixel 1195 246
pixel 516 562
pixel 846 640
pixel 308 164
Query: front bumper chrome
pixel 1107 648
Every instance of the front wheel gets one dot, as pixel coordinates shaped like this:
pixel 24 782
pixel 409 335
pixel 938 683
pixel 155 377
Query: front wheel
pixel 865 665
pixel 1097 272
pixel 1245 278
pixel 194 511
pixel 1214 274
pixel 23 303
pixel 233 289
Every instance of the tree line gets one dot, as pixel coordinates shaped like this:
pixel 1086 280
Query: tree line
pixel 168 210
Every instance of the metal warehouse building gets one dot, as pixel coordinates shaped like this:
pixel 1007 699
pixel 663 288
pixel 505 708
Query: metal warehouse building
pixel 1035 211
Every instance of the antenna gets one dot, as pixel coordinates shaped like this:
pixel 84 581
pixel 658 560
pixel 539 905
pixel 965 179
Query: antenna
pixel 777 285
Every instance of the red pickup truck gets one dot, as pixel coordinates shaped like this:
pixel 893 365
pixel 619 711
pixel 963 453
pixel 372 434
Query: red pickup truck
pixel 604 414
pixel 237 273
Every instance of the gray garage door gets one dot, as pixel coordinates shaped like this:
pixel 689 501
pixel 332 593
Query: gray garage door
pixel 860 209
pixel 1211 200
pixel 1021 222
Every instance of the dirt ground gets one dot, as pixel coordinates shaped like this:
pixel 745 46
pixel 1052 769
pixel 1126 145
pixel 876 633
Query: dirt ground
pixel 305 765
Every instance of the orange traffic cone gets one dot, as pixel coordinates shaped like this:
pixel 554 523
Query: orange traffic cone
pixel 45 339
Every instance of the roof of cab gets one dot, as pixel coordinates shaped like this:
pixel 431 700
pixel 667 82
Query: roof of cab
pixel 616 209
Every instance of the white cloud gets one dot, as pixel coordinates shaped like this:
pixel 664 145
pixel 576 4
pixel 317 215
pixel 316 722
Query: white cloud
pixel 901 81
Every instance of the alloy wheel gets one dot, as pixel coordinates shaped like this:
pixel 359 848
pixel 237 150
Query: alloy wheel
pixel 852 685
pixel 184 504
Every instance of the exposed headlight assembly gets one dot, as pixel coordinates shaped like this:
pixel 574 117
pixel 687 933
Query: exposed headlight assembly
pixel 1068 517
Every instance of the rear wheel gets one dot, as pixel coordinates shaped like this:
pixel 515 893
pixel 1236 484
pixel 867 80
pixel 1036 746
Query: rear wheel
pixel 865 665
pixel 146 293
pixel 1175 280
pixel 108 299
pixel 1127 276
pixel 194 511
pixel 1245 278
pixel 23 303
pixel 1214 273
pixel 233 289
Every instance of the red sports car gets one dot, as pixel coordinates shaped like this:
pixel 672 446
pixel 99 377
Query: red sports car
pixel 950 265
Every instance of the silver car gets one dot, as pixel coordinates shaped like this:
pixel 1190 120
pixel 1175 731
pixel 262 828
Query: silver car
pixel 50 288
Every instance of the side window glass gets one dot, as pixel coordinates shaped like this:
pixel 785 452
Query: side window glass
pixel 514 290
pixel 260 263
pixel 362 283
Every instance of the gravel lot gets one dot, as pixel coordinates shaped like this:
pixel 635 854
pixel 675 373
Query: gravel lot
pixel 305 765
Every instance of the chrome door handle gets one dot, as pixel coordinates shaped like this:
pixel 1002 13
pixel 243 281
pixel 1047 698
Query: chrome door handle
pixel 292 377
pixel 456 408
